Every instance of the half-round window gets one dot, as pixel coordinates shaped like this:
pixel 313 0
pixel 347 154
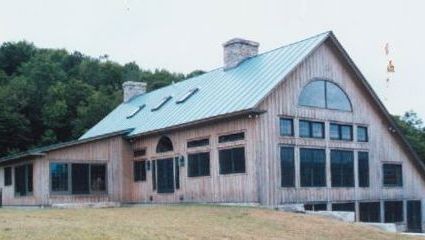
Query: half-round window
pixel 324 94
pixel 164 145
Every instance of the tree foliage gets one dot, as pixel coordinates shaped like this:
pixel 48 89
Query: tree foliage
pixel 51 95
pixel 414 130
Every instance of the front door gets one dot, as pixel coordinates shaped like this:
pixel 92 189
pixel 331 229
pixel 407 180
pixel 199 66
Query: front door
pixel 414 216
pixel 165 171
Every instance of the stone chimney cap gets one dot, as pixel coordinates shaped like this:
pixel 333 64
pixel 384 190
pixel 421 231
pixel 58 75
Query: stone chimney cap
pixel 241 41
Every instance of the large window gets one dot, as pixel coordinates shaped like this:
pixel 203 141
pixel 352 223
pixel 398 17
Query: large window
pixel 198 164
pixel 343 207
pixel 139 169
pixel 363 169
pixel 342 168
pixel 393 176
pixel 341 132
pixel 370 212
pixel 362 135
pixel 164 145
pixel 286 127
pixel 231 137
pixel 7 176
pixel 393 211
pixel 287 167
pixel 77 178
pixel 324 94
pixel 23 180
pixel 309 129
pixel 313 167
pixel 232 160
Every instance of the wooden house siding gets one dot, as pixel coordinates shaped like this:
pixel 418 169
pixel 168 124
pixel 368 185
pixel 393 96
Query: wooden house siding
pixel 383 146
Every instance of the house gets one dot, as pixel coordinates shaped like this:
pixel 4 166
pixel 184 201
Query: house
pixel 298 124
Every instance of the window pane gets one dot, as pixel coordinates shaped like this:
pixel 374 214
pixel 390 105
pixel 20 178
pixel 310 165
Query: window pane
pixel 7 176
pixel 317 130
pixel 313 95
pixel 29 177
pixel 139 168
pixel 59 177
pixel 346 132
pixel 334 132
pixel 164 145
pixel 239 160
pixel 198 143
pixel 139 152
pixel 80 178
pixel 343 207
pixel 287 167
pixel 362 134
pixel 363 168
pixel 315 207
pixel 231 137
pixel 199 164
pixel 370 212
pixel 98 177
pixel 393 211
pixel 342 171
pixel 20 185
pixel 304 128
pixel 232 160
pixel 312 167
pixel 336 98
pixel 286 127
pixel 392 175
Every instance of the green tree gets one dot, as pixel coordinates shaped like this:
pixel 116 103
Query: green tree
pixel 413 128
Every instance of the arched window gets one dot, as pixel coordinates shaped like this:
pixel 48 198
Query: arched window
pixel 164 145
pixel 324 94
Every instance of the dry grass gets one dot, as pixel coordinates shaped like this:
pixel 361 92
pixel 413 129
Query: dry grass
pixel 176 222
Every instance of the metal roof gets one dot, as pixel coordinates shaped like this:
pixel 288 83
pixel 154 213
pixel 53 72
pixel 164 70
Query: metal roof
pixel 220 92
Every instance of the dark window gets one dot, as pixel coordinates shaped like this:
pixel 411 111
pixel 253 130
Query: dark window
pixel 370 212
pixel 139 168
pixel 177 172
pixel 315 207
pixel 232 160
pixel 154 175
pixel 362 135
pixel 198 164
pixel 341 132
pixel 363 168
pixel 392 175
pixel 231 137
pixel 324 94
pixel 23 180
pixel 80 178
pixel 198 143
pixel 393 211
pixel 343 207
pixel 139 152
pixel 97 177
pixel 310 129
pixel 59 175
pixel 7 176
pixel 165 172
pixel 164 145
pixel 313 167
pixel 287 167
pixel 286 127
pixel 342 168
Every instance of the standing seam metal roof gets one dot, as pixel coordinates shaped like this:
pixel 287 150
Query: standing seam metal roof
pixel 220 92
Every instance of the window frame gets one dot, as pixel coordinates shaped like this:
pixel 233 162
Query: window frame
pixel 343 181
pixel 142 177
pixel 310 129
pixel 323 174
pixel 398 219
pixel 197 142
pixel 198 175
pixel 220 137
pixel 291 120
pixel 370 205
pixel 28 193
pixel 366 134
pixel 283 184
pixel 69 192
pixel 359 168
pixel 8 178
pixel 396 185
pixel 232 172
pixel 340 126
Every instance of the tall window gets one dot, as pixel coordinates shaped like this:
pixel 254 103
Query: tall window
pixel 324 94
pixel 341 132
pixel 393 176
pixel 287 167
pixel 77 178
pixel 286 127
pixel 393 211
pixel 370 212
pixel 139 169
pixel 23 180
pixel 363 169
pixel 362 134
pixel 164 145
pixel 198 164
pixel 232 160
pixel 7 176
pixel 313 167
pixel 342 168
pixel 309 129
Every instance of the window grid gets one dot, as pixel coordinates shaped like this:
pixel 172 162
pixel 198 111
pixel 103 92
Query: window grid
pixel 286 127
pixel 198 164
pixel 232 160
pixel 310 129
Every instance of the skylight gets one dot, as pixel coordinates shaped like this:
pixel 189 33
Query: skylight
pixel 187 95
pixel 132 114
pixel 161 103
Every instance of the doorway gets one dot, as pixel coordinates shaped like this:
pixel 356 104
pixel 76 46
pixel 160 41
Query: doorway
pixel 165 175
pixel 414 216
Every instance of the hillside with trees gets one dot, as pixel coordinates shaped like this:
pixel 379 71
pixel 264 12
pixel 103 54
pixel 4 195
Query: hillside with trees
pixel 50 95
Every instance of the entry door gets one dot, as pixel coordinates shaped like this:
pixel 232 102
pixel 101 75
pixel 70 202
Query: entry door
pixel 414 216
pixel 165 175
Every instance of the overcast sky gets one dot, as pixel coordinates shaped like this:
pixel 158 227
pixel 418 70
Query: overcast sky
pixel 184 35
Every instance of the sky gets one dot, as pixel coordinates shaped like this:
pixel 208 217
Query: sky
pixel 185 35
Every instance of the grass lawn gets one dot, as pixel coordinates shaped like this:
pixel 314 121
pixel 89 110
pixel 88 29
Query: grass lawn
pixel 176 222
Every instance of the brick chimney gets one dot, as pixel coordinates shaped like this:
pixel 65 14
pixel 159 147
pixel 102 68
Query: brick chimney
pixel 237 50
pixel 131 89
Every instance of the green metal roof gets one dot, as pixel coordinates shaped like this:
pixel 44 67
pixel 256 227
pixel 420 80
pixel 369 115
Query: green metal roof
pixel 220 92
